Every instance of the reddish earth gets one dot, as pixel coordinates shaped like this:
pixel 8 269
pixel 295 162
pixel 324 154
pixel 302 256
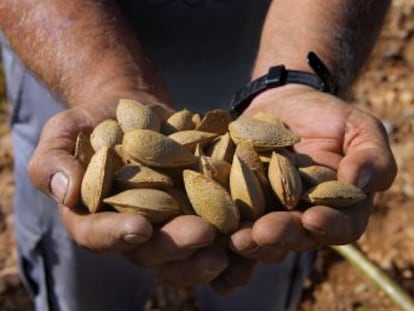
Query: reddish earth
pixel 386 89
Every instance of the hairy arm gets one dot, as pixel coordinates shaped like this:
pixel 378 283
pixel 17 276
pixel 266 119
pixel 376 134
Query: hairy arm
pixel 333 133
pixel 341 32
pixel 82 49
pixel 87 55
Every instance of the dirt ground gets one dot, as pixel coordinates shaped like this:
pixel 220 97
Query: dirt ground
pixel 386 89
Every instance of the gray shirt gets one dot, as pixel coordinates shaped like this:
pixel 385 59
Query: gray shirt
pixel 204 49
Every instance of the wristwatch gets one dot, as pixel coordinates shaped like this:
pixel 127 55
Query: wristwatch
pixel 278 76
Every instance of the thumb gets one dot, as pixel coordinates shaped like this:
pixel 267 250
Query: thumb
pixel 370 165
pixel 53 168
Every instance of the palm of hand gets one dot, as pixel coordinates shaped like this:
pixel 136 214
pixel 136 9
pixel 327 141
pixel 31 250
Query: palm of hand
pixel 319 119
pixel 334 134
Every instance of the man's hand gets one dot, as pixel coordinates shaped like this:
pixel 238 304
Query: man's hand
pixel 183 247
pixel 334 134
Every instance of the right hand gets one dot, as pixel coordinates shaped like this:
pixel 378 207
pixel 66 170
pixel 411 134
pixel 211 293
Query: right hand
pixel 183 246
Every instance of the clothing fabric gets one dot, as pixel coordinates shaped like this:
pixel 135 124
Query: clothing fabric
pixel 204 51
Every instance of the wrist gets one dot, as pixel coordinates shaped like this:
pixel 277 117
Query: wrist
pixel 102 105
pixel 278 76
pixel 111 82
pixel 275 97
pixel 110 79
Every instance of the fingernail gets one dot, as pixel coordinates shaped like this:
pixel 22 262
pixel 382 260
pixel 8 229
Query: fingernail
pixel 59 186
pixel 315 230
pixel 197 246
pixel 249 250
pixel 132 238
pixel 364 177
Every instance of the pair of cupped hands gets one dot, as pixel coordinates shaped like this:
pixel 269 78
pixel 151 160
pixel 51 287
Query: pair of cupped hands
pixel 185 250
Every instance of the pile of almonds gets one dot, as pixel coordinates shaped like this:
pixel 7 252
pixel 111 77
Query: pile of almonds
pixel 163 165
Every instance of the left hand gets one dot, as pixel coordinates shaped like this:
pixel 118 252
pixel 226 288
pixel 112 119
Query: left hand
pixel 334 134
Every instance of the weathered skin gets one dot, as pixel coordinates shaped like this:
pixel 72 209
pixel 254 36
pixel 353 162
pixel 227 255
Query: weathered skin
pixel 50 37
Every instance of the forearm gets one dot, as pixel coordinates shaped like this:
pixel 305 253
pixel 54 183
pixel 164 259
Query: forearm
pixel 82 49
pixel 341 32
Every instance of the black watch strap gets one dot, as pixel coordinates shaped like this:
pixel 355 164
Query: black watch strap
pixel 278 76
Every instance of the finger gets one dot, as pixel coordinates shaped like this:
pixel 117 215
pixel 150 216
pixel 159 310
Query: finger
pixel 337 225
pixel 368 161
pixel 53 168
pixel 369 166
pixel 321 152
pixel 238 273
pixel 271 236
pixel 202 267
pixel 242 243
pixel 176 240
pixel 105 231
pixel 282 230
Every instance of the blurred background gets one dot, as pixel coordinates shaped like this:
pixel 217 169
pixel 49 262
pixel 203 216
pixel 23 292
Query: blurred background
pixel 385 89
